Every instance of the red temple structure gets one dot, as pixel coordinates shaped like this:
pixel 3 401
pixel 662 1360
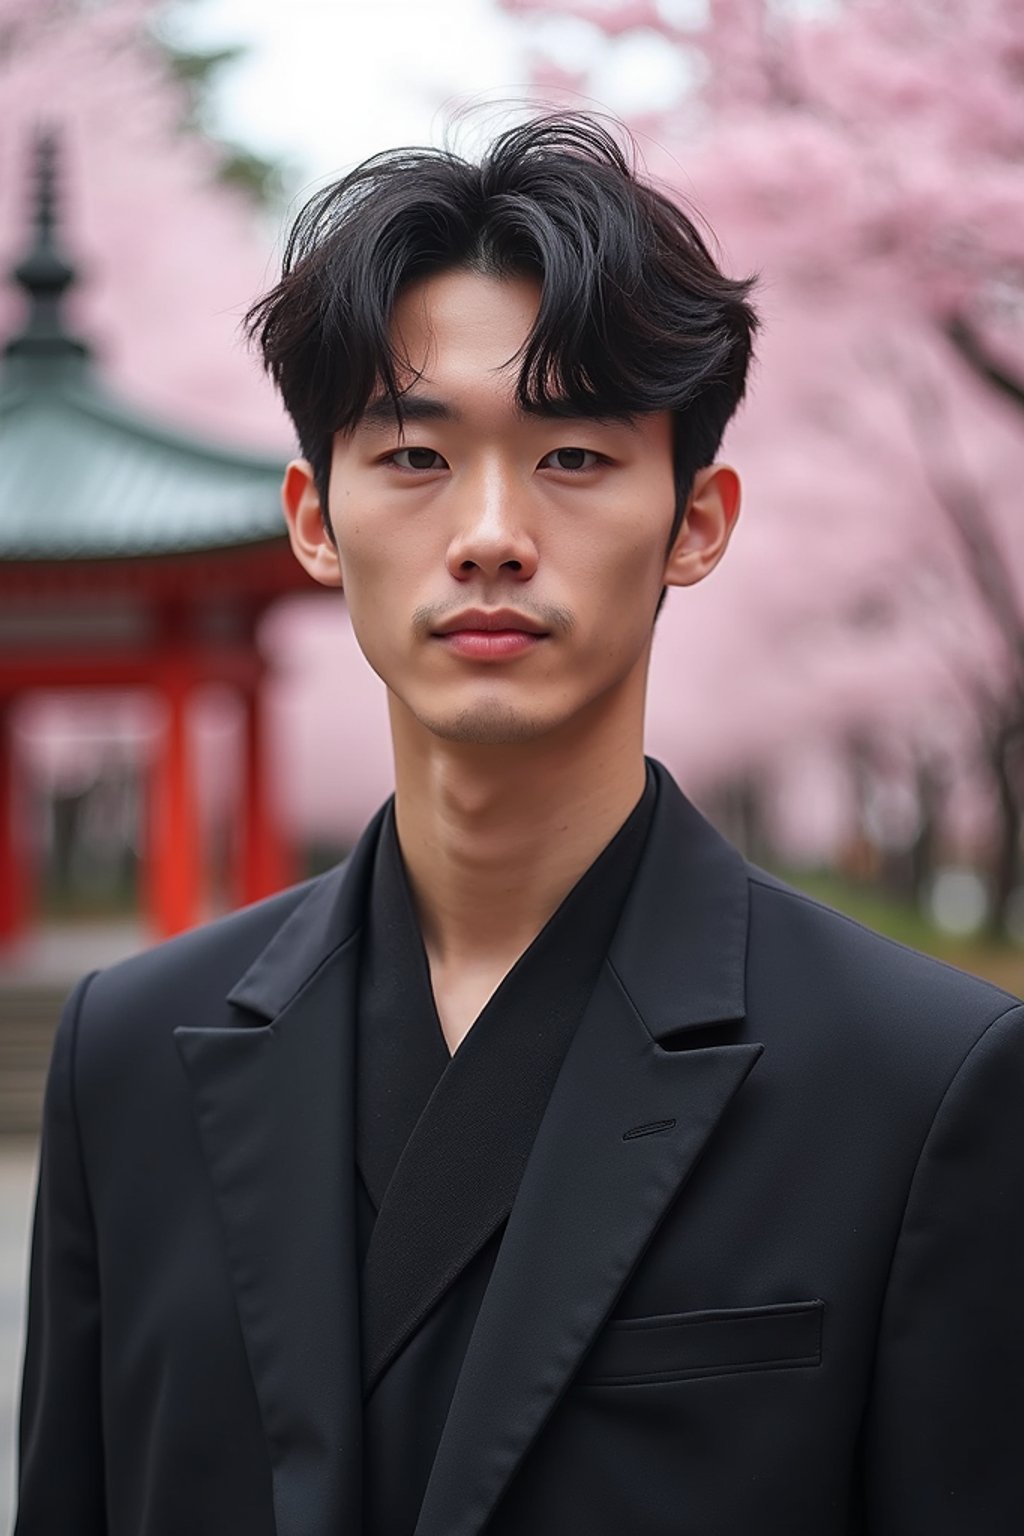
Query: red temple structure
pixel 131 557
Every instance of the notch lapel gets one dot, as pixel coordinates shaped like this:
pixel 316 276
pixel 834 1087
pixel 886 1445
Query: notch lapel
pixel 624 1128
pixel 275 1113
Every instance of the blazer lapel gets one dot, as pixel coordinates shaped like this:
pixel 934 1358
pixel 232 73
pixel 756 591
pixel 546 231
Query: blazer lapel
pixel 625 1126
pixel 456 1179
pixel 274 1109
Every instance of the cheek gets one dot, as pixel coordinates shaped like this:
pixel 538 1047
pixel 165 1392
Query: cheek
pixel 369 550
pixel 617 574
pixel 364 578
pixel 384 574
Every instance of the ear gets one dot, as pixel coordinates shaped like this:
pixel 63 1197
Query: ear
pixel 711 514
pixel 312 544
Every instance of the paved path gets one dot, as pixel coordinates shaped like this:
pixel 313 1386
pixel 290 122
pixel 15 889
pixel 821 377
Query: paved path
pixel 17 1187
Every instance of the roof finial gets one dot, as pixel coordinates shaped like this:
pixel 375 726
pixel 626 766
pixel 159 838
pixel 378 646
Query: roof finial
pixel 45 273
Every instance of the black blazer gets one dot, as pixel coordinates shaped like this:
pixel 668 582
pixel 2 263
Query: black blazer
pixel 763 1275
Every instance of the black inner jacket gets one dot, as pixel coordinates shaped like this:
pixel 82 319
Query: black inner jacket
pixel 442 1141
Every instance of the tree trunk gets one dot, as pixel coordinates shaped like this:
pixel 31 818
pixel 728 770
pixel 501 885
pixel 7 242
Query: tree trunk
pixel 1007 765
pixel 931 791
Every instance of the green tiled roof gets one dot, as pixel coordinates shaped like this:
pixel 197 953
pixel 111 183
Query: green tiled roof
pixel 83 478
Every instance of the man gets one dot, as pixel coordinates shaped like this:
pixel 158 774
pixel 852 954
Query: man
pixel 546 1168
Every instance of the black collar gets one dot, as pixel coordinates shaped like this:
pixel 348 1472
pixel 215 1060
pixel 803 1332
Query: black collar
pixel 686 917
pixel 402 1053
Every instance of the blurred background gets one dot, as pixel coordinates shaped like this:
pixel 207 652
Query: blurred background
pixel 186 722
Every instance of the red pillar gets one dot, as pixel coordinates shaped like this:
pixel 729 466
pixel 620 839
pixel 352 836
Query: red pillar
pixel 14 880
pixel 174 861
pixel 263 865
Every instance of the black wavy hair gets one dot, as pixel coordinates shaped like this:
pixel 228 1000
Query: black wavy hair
pixel 635 315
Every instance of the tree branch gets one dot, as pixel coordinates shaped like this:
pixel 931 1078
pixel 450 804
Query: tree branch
pixel 965 511
pixel 971 348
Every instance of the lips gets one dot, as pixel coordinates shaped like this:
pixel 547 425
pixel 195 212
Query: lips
pixel 499 634
pixel 498 620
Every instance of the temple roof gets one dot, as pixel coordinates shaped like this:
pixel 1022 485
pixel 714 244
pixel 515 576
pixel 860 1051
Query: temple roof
pixel 84 476
pixel 81 477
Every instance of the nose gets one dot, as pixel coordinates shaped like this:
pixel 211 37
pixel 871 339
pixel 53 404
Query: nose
pixel 490 537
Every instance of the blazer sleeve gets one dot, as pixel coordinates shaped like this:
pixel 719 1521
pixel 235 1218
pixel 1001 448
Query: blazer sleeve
pixel 945 1427
pixel 61 1450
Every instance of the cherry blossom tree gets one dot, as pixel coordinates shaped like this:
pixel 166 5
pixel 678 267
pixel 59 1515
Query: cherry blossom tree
pixel 866 158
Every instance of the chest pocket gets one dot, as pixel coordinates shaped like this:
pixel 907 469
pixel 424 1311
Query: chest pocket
pixel 683 1346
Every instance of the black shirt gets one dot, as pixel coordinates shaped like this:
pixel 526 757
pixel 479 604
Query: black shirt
pixel 442 1141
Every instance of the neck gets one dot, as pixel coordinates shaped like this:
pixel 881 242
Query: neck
pixel 493 838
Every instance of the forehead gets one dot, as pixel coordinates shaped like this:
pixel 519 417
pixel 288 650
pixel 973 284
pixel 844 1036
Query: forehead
pixel 464 326
pixel 461 334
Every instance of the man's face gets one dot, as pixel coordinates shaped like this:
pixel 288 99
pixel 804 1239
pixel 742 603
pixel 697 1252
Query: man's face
pixel 501 570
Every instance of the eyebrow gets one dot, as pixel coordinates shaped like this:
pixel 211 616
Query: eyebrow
pixel 381 412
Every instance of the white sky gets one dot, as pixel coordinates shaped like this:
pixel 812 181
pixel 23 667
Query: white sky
pixel 326 82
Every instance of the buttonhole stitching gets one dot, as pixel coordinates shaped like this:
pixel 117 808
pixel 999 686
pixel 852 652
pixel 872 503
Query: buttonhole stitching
pixel 648 1130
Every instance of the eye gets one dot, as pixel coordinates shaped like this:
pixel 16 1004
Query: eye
pixel 417 458
pixel 573 460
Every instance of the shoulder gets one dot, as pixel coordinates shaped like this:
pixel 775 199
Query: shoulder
pixel 819 962
pixel 183 980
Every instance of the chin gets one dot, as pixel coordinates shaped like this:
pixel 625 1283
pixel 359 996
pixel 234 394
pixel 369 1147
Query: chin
pixel 487 725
